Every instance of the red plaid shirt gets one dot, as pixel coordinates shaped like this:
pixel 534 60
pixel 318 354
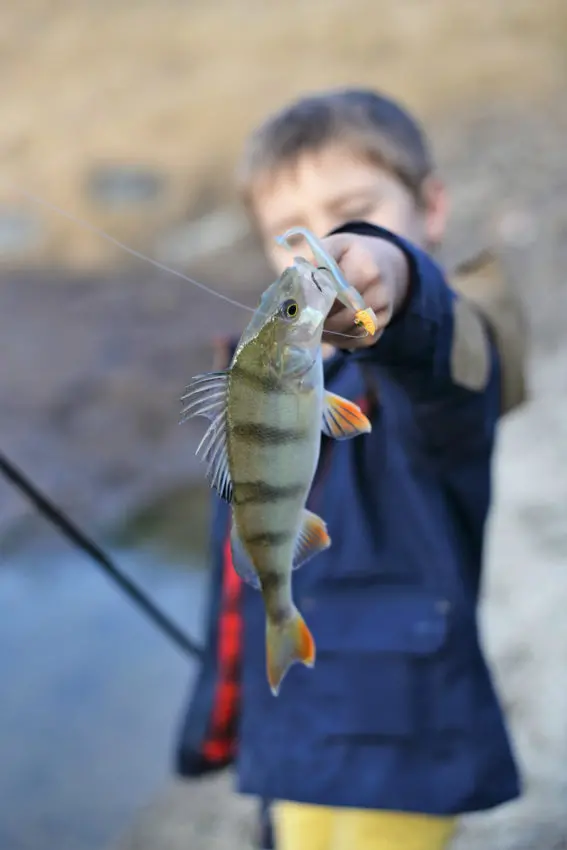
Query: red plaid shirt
pixel 220 745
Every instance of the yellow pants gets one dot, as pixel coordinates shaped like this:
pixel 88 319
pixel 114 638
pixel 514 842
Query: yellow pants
pixel 302 827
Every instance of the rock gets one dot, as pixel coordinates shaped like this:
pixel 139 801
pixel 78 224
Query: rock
pixel 522 620
pixel 184 242
pixel 126 185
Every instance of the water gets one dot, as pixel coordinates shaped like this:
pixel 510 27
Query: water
pixel 91 695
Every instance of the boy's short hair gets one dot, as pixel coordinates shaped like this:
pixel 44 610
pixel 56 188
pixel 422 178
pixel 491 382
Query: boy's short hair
pixel 370 124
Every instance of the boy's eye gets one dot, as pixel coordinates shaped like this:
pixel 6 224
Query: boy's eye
pixel 295 240
pixel 357 212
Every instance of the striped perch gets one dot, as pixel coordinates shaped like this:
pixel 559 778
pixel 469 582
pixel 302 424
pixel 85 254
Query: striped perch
pixel 267 412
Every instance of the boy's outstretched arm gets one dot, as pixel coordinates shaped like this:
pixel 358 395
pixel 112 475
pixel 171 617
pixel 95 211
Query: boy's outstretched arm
pixel 435 342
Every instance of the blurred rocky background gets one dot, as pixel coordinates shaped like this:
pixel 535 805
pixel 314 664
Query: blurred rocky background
pixel 129 115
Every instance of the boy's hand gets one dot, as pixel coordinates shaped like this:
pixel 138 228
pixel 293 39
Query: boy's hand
pixel 379 271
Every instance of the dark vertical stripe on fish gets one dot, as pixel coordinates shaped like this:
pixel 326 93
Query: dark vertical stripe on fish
pixel 259 492
pixel 272 582
pixel 269 538
pixel 278 608
pixel 259 381
pixel 256 432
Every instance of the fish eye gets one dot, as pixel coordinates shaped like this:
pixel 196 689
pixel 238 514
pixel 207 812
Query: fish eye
pixel 290 309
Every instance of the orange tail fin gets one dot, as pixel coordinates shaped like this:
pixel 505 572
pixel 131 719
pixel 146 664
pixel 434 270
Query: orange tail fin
pixel 286 644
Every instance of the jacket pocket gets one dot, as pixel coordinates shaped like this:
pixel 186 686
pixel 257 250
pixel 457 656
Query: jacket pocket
pixel 378 652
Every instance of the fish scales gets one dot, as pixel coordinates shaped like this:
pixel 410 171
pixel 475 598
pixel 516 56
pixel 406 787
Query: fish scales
pixel 273 442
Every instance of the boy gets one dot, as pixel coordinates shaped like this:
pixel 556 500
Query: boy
pixel 396 730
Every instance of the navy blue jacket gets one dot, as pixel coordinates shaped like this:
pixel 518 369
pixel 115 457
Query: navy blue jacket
pixel 399 711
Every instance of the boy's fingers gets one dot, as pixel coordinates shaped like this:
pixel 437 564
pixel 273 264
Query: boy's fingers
pixel 343 321
pixel 337 245
pixel 359 267
pixel 373 269
pixel 342 325
pixel 375 296
pixel 337 308
pixel 354 259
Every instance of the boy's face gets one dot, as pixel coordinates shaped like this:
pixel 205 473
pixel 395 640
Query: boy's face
pixel 329 187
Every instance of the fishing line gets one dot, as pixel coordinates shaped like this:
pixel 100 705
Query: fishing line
pixel 87 225
pixel 104 235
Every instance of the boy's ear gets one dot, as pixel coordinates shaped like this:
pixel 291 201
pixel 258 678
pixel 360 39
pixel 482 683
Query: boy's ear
pixel 435 206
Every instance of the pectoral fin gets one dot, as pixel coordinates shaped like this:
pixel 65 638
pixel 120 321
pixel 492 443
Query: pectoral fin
pixel 312 539
pixel 342 419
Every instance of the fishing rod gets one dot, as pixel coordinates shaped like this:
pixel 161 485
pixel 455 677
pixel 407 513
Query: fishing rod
pixel 74 534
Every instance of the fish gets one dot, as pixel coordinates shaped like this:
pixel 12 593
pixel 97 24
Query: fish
pixel 267 411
